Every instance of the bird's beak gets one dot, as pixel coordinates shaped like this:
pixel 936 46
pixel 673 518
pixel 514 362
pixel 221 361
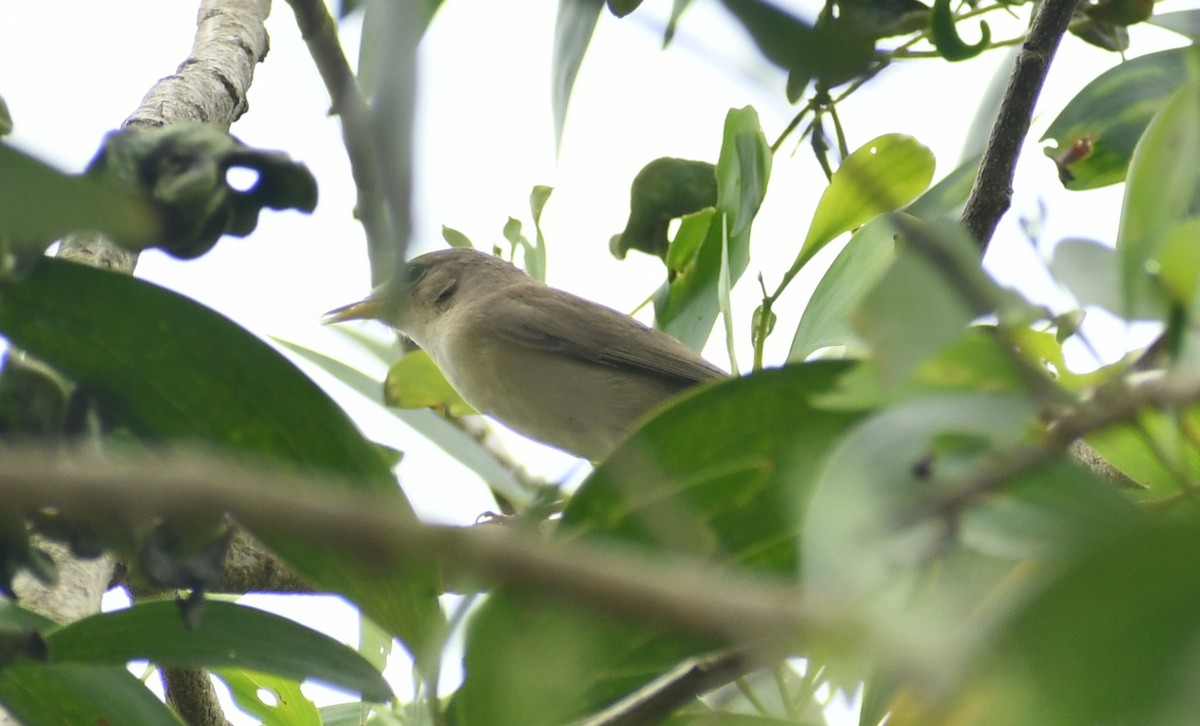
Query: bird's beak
pixel 369 309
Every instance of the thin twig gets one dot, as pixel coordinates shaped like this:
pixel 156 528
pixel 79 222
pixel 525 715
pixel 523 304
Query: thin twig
pixel 382 207
pixel 992 194
pixel 1164 392
pixel 664 695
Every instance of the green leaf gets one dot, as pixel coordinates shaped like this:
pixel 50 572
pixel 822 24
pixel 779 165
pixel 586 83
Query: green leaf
pixel 855 271
pixel 882 175
pixel 932 582
pixel 171 370
pixel 945 38
pixel 572 32
pixel 687 307
pixel 6 122
pixel 834 51
pixel 228 635
pixel 535 258
pixel 1109 639
pixel 621 8
pixel 1089 270
pixel 699 479
pixel 39 204
pixel 80 695
pixel 1109 116
pixel 454 238
pixel 286 704
pixel 677 9
pixel 663 190
pixel 416 382
pixel 689 238
pixel 1184 22
pixel 1163 184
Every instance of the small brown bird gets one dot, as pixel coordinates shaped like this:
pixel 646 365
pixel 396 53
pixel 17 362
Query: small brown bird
pixel 560 369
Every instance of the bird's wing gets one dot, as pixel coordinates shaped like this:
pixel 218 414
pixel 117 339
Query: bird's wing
pixel 599 334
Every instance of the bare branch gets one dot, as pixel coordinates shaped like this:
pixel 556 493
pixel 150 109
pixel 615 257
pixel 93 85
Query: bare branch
pixel 992 194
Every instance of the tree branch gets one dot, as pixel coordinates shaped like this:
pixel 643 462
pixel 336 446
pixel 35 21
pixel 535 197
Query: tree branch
pixel 991 195
pixel 381 170
pixel 209 86
pixel 767 618
pixel 1103 411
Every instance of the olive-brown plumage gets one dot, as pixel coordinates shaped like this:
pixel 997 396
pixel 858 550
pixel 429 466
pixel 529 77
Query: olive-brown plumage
pixel 551 365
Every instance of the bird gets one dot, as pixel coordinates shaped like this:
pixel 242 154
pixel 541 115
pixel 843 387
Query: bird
pixel 558 368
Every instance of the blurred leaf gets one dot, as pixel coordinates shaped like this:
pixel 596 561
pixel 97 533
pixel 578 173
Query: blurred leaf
pixel 1088 269
pixel 1139 449
pixel 39 204
pixel 538 196
pixel 935 584
pixel 663 190
pixel 416 382
pixel 1180 261
pixel 677 8
pixel 440 432
pixel 572 32
pixel 228 635
pixel 834 52
pixel 700 479
pixel 1110 639
pixel 882 175
pixel 855 271
pixel 1110 113
pixel 1106 36
pixel 687 307
pixel 33 399
pixel 885 18
pixel 6 122
pixel 1120 12
pixel 170 369
pixel 914 312
pixel 944 35
pixel 182 171
pixel 454 238
pixel 621 8
pixel 1161 190
pixel 80 695
pixel 285 706
pixel 1184 22
pixel 387 73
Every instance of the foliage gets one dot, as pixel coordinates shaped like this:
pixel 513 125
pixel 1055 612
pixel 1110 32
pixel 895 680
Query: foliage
pixel 911 506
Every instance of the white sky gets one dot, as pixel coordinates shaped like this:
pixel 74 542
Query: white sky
pixel 70 71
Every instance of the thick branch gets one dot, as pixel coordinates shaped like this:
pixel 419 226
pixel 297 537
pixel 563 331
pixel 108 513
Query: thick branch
pixel 209 86
pixel 992 194
pixel 191 693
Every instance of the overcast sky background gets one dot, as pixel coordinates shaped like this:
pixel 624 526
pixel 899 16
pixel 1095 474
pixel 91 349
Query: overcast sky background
pixel 71 71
